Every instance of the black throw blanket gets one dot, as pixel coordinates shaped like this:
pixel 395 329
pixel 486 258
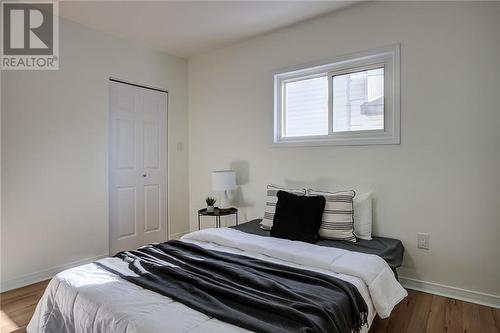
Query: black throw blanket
pixel 250 293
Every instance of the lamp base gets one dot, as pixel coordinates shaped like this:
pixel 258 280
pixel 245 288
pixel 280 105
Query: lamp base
pixel 224 202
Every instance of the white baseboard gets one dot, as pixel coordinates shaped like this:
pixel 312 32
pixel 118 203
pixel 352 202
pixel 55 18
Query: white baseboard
pixel 451 292
pixel 178 235
pixel 43 275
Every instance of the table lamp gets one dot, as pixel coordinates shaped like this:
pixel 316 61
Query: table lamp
pixel 224 181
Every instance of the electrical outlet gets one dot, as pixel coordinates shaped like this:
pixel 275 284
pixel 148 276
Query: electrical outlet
pixel 423 240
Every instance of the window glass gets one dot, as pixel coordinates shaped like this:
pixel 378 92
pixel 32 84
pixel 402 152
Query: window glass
pixel 306 107
pixel 358 101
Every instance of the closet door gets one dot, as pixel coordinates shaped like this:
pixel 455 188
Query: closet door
pixel 137 166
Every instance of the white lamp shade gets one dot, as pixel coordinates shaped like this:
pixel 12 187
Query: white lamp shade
pixel 223 180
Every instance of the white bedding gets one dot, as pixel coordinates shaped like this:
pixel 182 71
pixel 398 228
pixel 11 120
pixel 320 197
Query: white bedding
pixel 90 299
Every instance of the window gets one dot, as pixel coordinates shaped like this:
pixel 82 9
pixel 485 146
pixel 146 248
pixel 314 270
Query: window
pixel 353 100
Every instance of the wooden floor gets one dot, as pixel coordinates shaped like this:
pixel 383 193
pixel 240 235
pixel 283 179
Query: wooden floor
pixel 422 312
pixel 419 312
pixel 17 307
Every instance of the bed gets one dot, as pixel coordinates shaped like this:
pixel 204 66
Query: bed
pixel 90 298
pixel 389 249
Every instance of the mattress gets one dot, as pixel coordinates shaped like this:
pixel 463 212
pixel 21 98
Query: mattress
pixel 389 249
pixel 89 298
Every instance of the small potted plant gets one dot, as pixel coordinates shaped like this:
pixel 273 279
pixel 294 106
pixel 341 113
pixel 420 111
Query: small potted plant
pixel 210 204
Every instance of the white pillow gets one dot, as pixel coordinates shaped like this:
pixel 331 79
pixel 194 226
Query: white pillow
pixel 363 216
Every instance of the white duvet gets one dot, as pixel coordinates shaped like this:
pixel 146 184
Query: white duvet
pixel 90 299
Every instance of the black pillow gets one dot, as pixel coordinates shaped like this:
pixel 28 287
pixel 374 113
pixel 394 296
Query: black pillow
pixel 298 217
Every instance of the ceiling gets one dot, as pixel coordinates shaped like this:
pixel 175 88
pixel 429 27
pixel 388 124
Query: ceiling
pixel 185 28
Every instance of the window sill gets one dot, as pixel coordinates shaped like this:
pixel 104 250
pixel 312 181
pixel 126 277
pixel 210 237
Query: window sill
pixel 339 141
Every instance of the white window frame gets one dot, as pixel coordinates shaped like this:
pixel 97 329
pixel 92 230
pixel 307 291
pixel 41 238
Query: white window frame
pixel 387 57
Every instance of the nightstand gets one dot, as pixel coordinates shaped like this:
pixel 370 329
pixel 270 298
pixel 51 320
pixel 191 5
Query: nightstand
pixel 217 213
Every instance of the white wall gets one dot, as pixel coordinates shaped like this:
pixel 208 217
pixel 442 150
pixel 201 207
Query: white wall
pixel 442 179
pixel 54 150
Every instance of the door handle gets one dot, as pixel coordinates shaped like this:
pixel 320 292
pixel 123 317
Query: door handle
pixel 144 175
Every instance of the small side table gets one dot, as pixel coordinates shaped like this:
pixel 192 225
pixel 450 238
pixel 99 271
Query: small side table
pixel 217 213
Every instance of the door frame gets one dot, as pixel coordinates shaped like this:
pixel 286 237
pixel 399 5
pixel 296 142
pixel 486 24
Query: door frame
pixel 108 131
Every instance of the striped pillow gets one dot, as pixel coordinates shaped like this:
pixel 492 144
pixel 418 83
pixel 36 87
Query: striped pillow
pixel 338 217
pixel 271 200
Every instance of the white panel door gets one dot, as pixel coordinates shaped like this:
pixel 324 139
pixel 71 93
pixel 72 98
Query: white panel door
pixel 137 166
